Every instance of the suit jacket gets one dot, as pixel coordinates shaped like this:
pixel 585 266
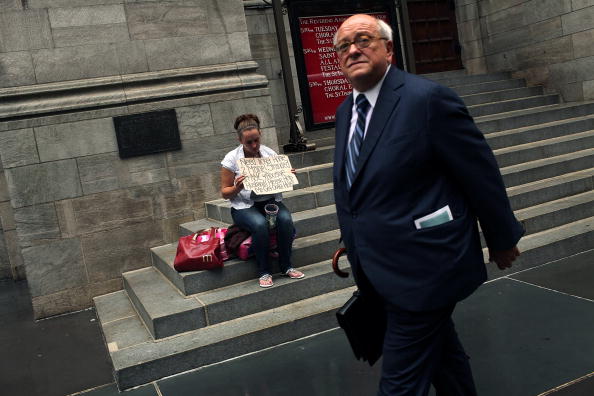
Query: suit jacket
pixel 422 151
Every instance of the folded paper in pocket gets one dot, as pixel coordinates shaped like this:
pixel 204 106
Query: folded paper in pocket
pixel 438 217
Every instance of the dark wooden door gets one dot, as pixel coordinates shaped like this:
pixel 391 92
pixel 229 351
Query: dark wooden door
pixel 434 35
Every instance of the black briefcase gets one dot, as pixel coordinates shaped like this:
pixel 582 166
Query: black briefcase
pixel 363 319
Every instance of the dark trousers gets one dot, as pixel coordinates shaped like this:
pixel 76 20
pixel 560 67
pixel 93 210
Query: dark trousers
pixel 254 220
pixel 420 349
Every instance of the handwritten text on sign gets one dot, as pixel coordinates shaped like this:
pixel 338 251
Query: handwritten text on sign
pixel 269 175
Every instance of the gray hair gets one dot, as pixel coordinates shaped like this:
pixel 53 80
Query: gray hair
pixel 383 28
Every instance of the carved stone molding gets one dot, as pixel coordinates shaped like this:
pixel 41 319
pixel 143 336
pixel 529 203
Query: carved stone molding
pixel 54 98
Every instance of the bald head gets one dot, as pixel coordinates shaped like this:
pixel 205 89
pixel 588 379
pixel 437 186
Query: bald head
pixel 366 50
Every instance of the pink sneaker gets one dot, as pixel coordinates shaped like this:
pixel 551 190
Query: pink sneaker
pixel 265 280
pixel 294 274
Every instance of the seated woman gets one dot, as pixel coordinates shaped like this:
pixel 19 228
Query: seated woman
pixel 247 208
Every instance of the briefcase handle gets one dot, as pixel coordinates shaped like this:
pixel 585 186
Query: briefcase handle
pixel 335 268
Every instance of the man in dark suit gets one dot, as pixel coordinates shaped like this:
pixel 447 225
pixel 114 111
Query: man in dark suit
pixel 412 174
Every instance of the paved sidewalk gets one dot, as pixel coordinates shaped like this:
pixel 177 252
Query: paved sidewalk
pixel 527 334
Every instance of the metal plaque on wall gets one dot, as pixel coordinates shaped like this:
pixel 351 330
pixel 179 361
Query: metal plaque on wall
pixel 147 133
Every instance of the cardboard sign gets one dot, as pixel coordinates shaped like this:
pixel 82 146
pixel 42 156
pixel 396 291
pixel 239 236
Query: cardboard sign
pixel 269 175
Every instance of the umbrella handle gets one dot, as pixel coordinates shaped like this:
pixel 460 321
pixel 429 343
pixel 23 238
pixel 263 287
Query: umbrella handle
pixel 335 268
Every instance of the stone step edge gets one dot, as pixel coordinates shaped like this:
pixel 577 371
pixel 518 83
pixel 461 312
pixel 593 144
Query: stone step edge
pixel 546 161
pixel 506 90
pixel 545 142
pixel 534 110
pixel 204 300
pixel 225 330
pixel 524 98
pixel 536 127
pixel 512 148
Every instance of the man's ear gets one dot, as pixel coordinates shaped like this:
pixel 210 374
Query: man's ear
pixel 390 50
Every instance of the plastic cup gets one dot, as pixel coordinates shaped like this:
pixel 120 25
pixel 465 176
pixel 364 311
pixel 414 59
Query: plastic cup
pixel 271 211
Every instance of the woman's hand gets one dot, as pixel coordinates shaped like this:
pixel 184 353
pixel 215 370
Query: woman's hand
pixel 293 171
pixel 238 183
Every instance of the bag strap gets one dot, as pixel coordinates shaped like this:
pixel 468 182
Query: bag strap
pixel 211 234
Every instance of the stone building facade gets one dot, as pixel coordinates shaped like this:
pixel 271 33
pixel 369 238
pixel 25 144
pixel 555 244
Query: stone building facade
pixel 74 215
pixel 548 42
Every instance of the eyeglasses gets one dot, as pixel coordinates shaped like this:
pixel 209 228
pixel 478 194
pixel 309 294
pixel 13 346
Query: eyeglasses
pixel 360 42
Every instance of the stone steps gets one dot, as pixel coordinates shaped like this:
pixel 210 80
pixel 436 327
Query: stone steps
pixel 137 359
pixel 306 250
pixel 166 322
pixel 166 312
pixel 505 94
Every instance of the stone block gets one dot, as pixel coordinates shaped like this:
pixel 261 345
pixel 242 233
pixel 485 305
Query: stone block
pixel 264 46
pixel 76 139
pixel 240 46
pixel 578 21
pixel 194 121
pixel 110 253
pixel 545 53
pixel 527 13
pixel 589 90
pixel 224 113
pixel 180 52
pixel 467 12
pixel 469 30
pixel 277 91
pixel 6 216
pixel 270 139
pixel 226 16
pixel 74 63
pixel 265 67
pixel 4 195
pixel 10 5
pixel 24 30
pixel 54 267
pixel 16 68
pixel 68 3
pixel 476 66
pixel 563 73
pixel 92 34
pixel 572 92
pixel 472 49
pixel 18 148
pixel 488 7
pixel 85 16
pixel 35 184
pixel 106 287
pixel 578 4
pixel 5 270
pixel 61 302
pixel 502 61
pixel 582 43
pixel 36 224
pixel 103 211
pixel 166 19
pixel 257 23
pixel 14 255
pixel 170 227
pixel 281 115
pixel 100 173
pixel 132 57
pixel 524 36
pixel 206 149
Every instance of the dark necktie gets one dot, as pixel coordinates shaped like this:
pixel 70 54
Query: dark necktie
pixel 357 139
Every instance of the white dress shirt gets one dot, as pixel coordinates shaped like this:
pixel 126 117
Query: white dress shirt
pixel 371 95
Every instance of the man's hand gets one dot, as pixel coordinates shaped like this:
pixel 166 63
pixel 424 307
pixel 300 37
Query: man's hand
pixel 504 258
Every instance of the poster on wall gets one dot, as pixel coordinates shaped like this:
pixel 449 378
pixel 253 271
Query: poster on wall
pixel 322 85
pixel 326 84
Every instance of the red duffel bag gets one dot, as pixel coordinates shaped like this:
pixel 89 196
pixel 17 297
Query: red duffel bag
pixel 195 253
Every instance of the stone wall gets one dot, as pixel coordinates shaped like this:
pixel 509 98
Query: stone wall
pixel 77 213
pixel 547 42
